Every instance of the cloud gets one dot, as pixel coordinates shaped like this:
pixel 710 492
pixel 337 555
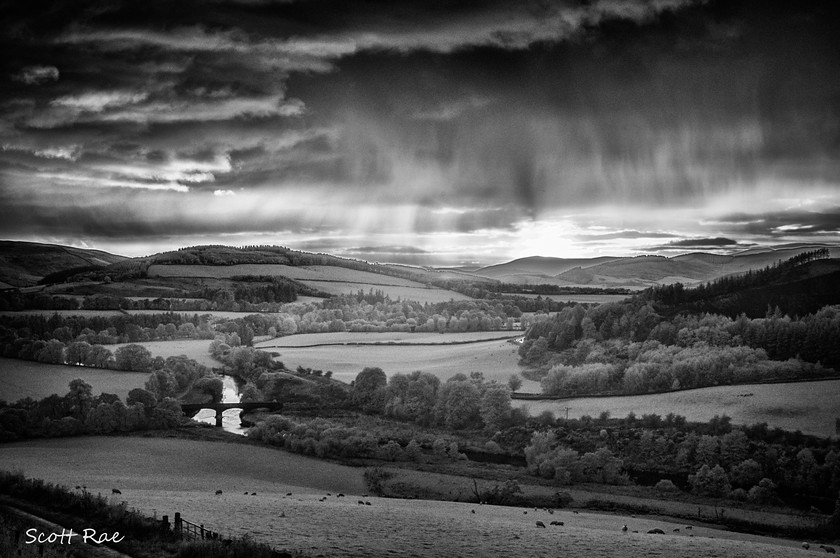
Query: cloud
pixel 36 75
pixel 703 242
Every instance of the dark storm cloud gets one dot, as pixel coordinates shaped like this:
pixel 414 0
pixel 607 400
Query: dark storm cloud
pixel 702 242
pixel 624 234
pixel 778 224
pixel 460 117
pixel 386 250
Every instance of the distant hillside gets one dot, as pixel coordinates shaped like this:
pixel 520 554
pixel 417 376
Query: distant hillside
pixel 688 269
pixel 23 264
pixel 537 269
pixel 794 287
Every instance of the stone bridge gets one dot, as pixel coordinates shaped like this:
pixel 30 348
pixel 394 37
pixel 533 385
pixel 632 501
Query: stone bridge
pixel 192 409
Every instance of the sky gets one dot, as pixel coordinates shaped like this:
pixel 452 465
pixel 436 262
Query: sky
pixel 431 132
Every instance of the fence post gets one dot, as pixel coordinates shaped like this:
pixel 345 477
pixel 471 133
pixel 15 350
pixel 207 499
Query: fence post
pixel 164 522
pixel 202 531
pixel 179 526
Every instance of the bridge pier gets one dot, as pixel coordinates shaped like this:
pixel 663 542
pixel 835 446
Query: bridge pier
pixel 219 417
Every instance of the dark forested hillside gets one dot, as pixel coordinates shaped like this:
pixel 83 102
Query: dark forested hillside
pixel 800 285
pixel 660 341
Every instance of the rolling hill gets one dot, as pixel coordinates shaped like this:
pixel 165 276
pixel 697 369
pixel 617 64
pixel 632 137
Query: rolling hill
pixel 641 271
pixel 23 264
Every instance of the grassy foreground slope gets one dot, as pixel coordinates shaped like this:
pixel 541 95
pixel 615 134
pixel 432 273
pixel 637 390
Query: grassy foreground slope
pixel 162 476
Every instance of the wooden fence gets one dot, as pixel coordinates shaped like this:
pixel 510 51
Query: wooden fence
pixel 188 530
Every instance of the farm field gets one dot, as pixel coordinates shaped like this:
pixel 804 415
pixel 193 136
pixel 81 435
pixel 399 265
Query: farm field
pixel 163 476
pixel 21 378
pixel 810 407
pixel 496 359
pixel 330 279
pixel 308 339
pixel 417 294
pixel 300 273
pixel 581 298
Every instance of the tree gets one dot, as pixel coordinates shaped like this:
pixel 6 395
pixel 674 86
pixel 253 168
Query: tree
pixel 514 382
pixel 134 358
pixel 710 481
pixel 212 386
pixel 369 389
pixel 79 399
pixel 144 397
pixel 458 405
pixel 495 406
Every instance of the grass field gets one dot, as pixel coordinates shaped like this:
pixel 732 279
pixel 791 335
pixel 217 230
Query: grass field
pixel 330 279
pixel 164 476
pixel 309 339
pixel 417 294
pixel 21 378
pixel 811 407
pixel 300 273
pixel 496 359
pixel 582 298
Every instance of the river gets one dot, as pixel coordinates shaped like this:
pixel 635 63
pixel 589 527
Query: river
pixel 230 418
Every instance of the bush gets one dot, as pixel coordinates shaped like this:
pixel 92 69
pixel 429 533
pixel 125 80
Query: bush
pixel 666 486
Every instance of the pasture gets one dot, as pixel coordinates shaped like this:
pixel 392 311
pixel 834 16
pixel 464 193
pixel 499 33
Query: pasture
pixel 417 294
pixel 330 279
pixel 580 298
pixel 65 313
pixel 497 360
pixel 22 378
pixel 309 339
pixel 810 407
pixel 162 476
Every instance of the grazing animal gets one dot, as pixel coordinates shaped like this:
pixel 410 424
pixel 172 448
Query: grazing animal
pixel 218 492
pixel 830 549
pixel 576 512
pixel 253 493
pixel 288 493
pixel 624 529
pixel 361 503
pixel 340 495
pixel 540 524
pixel 472 511
pixel 676 530
pixel 560 523
pixel 551 511
pixel 367 503
pixel 806 546
pixel 525 512
pixel 78 488
pixel 656 532
pixel 688 527
pixel 245 493
pixel 115 491
pixel 328 494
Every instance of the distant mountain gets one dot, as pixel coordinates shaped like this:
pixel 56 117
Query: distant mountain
pixel 537 269
pixel 23 264
pixel 641 271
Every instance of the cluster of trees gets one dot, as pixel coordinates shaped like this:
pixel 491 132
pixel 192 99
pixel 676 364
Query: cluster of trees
pixel 630 348
pixel 750 463
pixel 106 330
pixel 323 437
pixel 459 403
pixel 80 412
pixel 552 460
